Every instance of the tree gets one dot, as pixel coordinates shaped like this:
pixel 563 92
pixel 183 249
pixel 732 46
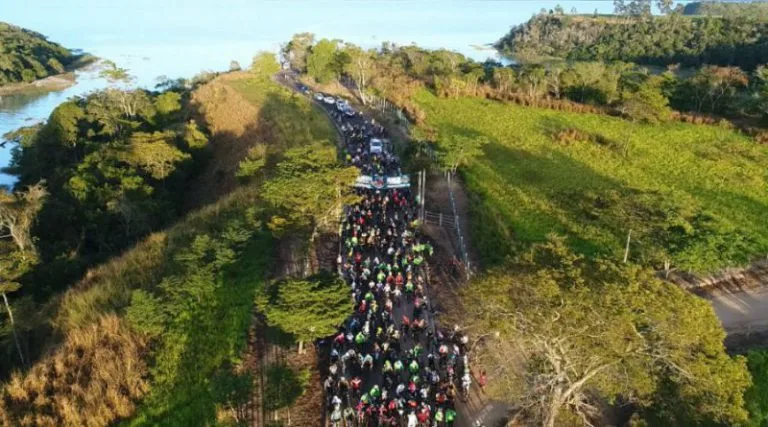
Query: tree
pixel 647 103
pixel 115 74
pixel 155 153
pixel 504 79
pixel 265 64
pixel 18 212
pixel 308 308
pixel 234 65
pixel 717 85
pixel 757 395
pixel 13 264
pixel 554 330
pixel 297 49
pixel 321 61
pixel 761 89
pixel 168 103
pixel 310 188
pixel 665 6
pixel 532 80
pixel 459 150
pixel 359 66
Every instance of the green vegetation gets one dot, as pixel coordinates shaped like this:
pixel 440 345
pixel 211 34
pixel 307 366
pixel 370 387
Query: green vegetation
pixel 720 8
pixel 115 164
pixel 178 306
pixel 26 56
pixel 557 329
pixel 308 308
pixel 283 386
pixel 693 196
pixel 656 40
pixel 757 395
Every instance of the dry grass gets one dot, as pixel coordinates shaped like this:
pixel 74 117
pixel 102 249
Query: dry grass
pixel 95 379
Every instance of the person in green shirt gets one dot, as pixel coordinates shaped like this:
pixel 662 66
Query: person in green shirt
pixel 450 416
pixel 439 416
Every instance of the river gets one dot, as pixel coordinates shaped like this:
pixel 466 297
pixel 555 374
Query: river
pixel 180 39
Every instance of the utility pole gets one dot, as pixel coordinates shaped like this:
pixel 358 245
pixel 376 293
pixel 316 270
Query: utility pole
pixel 423 192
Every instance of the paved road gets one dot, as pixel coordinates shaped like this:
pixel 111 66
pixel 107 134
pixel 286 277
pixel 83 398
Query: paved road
pixel 477 410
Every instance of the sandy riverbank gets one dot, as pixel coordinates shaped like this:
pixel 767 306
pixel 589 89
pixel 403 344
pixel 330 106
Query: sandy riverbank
pixel 50 83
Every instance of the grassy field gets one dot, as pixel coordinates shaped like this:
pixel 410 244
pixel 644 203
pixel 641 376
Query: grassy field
pixel 695 196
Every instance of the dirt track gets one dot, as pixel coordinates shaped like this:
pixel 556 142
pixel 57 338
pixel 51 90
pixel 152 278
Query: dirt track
pixel 742 311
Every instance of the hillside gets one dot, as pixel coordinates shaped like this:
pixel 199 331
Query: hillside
pixel 692 195
pixel 729 8
pixel 155 335
pixel 661 40
pixel 26 56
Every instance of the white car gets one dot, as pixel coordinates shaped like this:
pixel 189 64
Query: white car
pixel 319 96
pixel 329 100
pixel 376 146
pixel 342 104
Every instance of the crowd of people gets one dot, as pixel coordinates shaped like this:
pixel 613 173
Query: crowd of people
pixel 389 364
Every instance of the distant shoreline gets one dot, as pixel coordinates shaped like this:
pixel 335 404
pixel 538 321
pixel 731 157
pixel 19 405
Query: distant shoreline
pixel 51 83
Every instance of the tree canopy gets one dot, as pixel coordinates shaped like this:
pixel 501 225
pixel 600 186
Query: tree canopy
pixel 656 40
pixel 26 55
pixel 554 328
pixel 308 308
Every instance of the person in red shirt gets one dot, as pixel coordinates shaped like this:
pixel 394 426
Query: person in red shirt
pixel 482 380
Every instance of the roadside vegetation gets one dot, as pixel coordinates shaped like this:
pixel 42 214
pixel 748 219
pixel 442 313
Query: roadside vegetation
pixel 156 335
pixel 565 162
pixel 26 56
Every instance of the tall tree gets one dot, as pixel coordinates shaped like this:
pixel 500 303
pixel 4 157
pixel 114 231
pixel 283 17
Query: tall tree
pixel 554 330
pixel 321 62
pixel 265 64
pixel 359 65
pixel 458 150
pixel 308 308
pixel 297 49
pixel 18 212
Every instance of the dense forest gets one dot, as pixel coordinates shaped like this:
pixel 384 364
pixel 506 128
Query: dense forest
pixel 26 55
pixel 740 40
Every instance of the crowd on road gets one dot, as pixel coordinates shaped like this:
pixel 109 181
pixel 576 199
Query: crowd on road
pixel 389 364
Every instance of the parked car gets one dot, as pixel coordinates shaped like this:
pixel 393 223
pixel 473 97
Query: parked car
pixel 319 96
pixel 329 100
pixel 376 146
pixel 303 89
pixel 349 112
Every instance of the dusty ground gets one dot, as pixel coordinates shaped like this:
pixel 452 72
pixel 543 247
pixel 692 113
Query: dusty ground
pixel 740 300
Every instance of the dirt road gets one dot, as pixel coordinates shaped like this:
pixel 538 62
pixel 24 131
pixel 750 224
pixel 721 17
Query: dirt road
pixel 741 311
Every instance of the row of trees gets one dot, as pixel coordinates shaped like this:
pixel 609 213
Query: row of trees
pixel 26 55
pixel 396 72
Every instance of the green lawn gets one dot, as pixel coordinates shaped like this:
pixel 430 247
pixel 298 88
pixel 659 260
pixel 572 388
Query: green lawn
pixel 694 195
